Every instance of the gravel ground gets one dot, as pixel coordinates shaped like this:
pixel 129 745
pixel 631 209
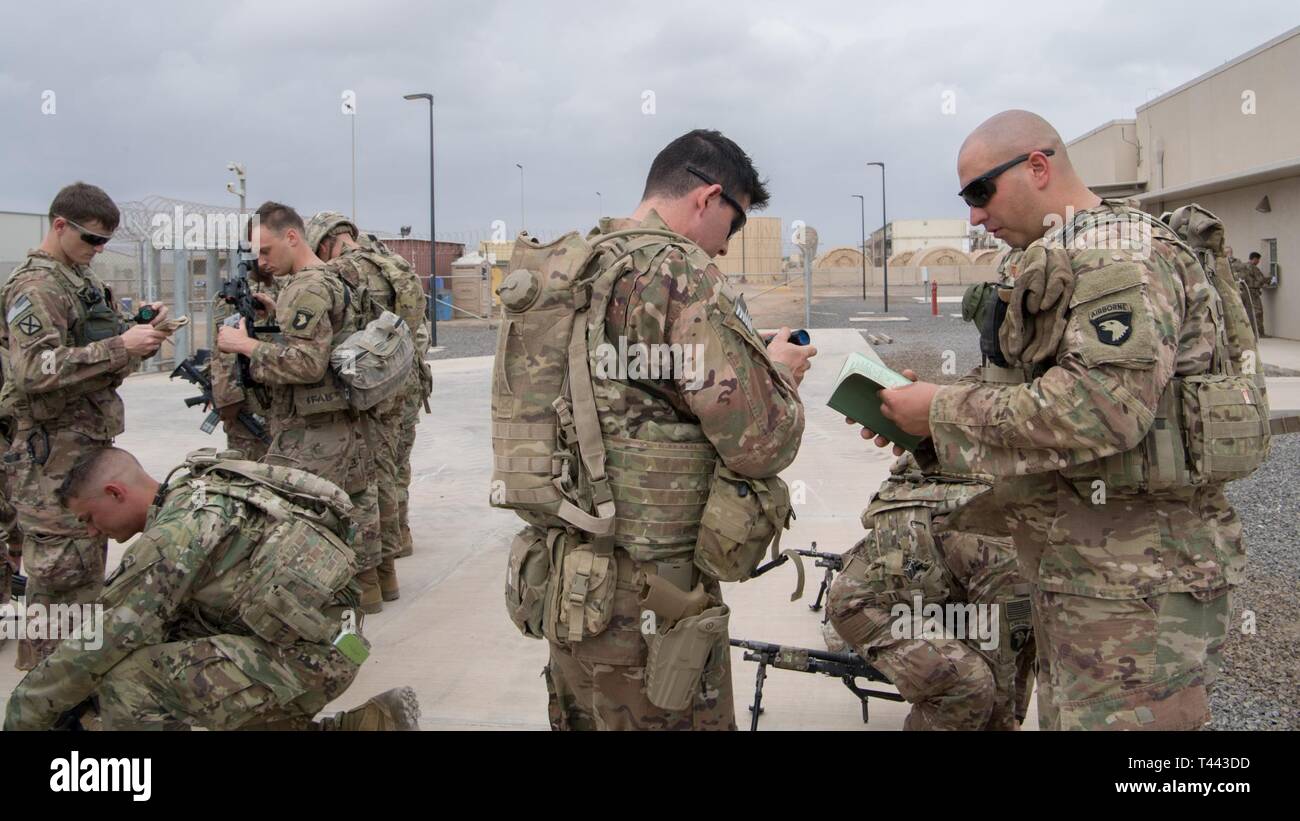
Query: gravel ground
pixel 1259 684
pixel 465 337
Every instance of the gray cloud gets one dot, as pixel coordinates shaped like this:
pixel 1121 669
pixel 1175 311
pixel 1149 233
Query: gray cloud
pixel 155 98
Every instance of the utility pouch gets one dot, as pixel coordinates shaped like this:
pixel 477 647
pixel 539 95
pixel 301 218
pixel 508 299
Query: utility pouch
pixel 679 655
pixel 580 589
pixel 741 518
pixel 526 578
pixel 1226 422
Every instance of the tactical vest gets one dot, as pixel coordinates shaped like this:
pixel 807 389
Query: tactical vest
pixel 95 319
pixel 583 489
pixel 297 573
pixel 1209 428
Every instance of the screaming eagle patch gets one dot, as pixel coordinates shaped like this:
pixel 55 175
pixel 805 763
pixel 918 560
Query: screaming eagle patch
pixel 1112 323
pixel 301 320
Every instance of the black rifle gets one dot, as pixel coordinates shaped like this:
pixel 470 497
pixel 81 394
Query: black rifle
pixel 189 371
pixel 236 292
pixel 847 667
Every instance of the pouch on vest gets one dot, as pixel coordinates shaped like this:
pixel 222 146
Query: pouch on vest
pixel 580 589
pixel 526 579
pixel 678 656
pixel 1226 424
pixel 741 518
pixel 295 574
pixel 374 363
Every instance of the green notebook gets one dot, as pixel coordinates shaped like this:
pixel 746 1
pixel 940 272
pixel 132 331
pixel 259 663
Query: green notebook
pixel 855 396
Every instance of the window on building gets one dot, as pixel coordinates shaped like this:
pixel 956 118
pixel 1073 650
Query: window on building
pixel 1270 247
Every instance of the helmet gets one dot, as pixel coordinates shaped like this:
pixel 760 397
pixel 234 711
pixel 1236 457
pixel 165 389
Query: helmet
pixel 325 223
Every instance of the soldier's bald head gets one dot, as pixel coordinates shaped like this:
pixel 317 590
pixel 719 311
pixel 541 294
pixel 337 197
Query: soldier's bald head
pixel 1012 133
pixel 98 469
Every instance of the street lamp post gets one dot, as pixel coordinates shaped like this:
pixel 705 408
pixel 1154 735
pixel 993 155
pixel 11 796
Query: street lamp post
pixel 520 166
pixel 884 231
pixel 433 237
pixel 862 203
pixel 600 207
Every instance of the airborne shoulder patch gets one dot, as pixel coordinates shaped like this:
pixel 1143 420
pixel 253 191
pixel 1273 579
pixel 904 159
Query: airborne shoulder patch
pixel 1113 323
pixel 302 319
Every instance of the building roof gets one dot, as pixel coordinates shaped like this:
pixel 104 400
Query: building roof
pixel 1281 38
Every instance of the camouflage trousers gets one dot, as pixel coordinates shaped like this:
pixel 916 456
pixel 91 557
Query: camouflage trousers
pixel 951 683
pixel 334 447
pixel 384 445
pixel 1128 664
pixel 599 683
pixel 222 682
pixel 63 564
pixel 411 405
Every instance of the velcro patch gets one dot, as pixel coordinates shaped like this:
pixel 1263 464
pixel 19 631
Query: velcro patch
pixel 302 319
pixel 742 313
pixel 16 310
pixel 1113 323
pixel 30 325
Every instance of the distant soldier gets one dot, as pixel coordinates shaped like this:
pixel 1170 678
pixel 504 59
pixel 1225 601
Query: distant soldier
pixel 312 425
pixel 233 610
pixel 228 395
pixel 1256 281
pixel 958 681
pixel 67 350
pixel 394 287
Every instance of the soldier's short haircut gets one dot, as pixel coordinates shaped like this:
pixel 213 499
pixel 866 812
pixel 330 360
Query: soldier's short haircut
pixel 712 154
pixel 279 217
pixel 94 468
pixel 1255 255
pixel 83 203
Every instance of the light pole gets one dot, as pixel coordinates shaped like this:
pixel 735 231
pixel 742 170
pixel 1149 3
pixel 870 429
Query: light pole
pixel 862 202
pixel 884 231
pixel 600 207
pixel 433 238
pixel 520 166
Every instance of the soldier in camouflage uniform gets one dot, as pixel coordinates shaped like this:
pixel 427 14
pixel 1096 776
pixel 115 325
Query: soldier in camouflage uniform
pixel 1255 281
pixel 188 636
pixel 229 397
pixel 394 288
pixel 665 437
pixel 1130 585
pixel 953 682
pixel 312 426
pixel 66 350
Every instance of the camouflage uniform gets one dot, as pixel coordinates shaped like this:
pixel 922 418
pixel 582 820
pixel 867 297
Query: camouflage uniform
pixel 744 410
pixel 312 427
pixel 952 683
pixel 404 298
pixel 61 334
pixel 226 390
pixel 1130 588
pixel 415 399
pixel 177 649
pixel 1253 281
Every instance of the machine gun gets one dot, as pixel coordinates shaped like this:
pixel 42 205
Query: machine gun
pixel 237 292
pixel 189 370
pixel 833 562
pixel 847 667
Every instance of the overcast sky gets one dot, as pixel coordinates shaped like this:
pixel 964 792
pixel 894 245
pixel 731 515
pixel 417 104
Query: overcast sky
pixel 155 98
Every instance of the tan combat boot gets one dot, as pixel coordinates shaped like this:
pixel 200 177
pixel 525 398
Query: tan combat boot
pixel 372 598
pixel 387 572
pixel 396 709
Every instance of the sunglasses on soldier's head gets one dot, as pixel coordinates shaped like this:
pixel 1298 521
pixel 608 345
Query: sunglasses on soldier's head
pixel 87 236
pixel 980 190
pixel 738 221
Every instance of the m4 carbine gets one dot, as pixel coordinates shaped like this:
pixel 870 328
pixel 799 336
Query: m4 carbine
pixel 190 371
pixel 237 292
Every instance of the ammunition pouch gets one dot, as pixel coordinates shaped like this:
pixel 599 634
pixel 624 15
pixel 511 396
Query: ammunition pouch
pixel 294 579
pixel 678 655
pixel 741 518
pixel 526 579
pixel 580 588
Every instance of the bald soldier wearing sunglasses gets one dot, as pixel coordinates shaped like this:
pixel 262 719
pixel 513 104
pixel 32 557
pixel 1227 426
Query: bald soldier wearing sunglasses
pixel 1131 568
pixel 66 350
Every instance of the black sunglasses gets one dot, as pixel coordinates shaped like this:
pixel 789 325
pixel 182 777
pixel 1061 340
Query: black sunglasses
pixel 738 221
pixel 980 190
pixel 87 236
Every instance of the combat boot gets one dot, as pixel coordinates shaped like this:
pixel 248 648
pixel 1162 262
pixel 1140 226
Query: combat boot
pixel 396 709
pixel 387 572
pixel 372 598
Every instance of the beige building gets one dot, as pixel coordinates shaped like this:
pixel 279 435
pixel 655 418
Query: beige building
pixel 910 236
pixel 755 249
pixel 1229 140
